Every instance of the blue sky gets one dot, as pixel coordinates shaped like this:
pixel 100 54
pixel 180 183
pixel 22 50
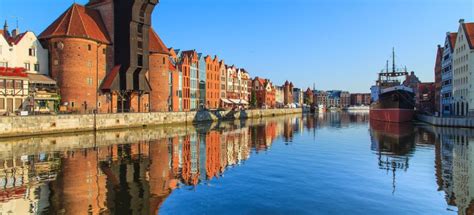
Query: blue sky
pixel 336 44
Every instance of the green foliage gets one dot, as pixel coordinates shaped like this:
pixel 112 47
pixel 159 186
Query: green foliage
pixel 253 99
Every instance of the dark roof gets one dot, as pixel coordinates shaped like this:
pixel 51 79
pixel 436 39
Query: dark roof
pixel 78 21
pixel 156 45
pixel 108 82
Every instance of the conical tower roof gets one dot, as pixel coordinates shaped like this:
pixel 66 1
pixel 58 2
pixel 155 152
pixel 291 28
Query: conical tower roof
pixel 80 22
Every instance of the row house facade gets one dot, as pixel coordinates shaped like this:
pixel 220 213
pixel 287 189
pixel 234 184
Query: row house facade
pixel 297 96
pixel 264 93
pixel 279 96
pixel 463 69
pixel 446 93
pixel 213 83
pixel 238 82
pixel 13 89
pixel 360 99
pixel 438 78
pixel 177 82
pixel 333 98
pixel 202 78
pixel 22 54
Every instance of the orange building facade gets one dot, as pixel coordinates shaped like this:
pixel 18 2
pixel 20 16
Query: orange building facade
pixel 212 82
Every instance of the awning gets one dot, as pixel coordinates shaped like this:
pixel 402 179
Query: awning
pixel 239 101
pixel 226 101
pixel 40 79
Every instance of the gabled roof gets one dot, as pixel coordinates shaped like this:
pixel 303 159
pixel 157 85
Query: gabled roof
pixel 156 45
pixel 78 21
pixel 452 40
pixel 469 31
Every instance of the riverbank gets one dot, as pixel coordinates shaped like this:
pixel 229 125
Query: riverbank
pixel 35 125
pixel 446 121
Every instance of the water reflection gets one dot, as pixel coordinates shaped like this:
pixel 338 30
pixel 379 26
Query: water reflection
pixel 135 171
pixel 455 166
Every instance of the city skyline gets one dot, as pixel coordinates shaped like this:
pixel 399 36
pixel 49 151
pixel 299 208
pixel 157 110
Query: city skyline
pixel 309 37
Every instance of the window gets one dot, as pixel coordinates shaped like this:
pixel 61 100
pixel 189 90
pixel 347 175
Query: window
pixel 164 60
pixel 140 60
pixel 9 84
pixel 140 44
pixel 3 64
pixel 37 67
pixel 72 104
pixel 89 81
pixel 2 103
pixel 104 51
pixel 32 52
pixel 89 47
pixel 18 84
pixel 27 66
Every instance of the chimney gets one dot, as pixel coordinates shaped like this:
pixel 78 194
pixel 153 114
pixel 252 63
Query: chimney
pixel 461 21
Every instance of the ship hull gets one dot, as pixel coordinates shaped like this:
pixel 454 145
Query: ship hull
pixel 392 115
pixel 395 105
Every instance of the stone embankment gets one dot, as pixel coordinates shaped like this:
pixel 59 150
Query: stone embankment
pixel 34 125
pixel 447 121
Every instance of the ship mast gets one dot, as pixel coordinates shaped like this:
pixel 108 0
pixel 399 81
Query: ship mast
pixel 393 59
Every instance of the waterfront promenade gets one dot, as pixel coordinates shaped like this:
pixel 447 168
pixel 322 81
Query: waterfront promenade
pixel 459 122
pixel 34 125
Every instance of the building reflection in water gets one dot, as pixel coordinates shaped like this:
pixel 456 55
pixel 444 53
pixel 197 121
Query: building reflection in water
pixel 127 172
pixel 134 171
pixel 455 166
pixel 454 158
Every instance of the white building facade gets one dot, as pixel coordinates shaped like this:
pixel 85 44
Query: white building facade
pixel 447 75
pixel 463 67
pixel 23 50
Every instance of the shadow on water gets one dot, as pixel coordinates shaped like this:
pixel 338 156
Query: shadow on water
pixel 135 171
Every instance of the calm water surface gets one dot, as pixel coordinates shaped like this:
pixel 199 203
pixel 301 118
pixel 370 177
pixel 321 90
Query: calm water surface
pixel 336 163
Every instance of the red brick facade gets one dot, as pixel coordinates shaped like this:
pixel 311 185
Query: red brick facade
pixel 264 92
pixel 309 97
pixel 79 66
pixel 212 82
pixel 159 81
pixel 288 93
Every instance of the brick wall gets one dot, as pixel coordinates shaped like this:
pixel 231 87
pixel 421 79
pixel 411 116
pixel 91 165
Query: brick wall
pixel 158 78
pixel 79 66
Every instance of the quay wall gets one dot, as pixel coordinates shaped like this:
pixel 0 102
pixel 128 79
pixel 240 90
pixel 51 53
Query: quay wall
pixel 34 125
pixel 446 121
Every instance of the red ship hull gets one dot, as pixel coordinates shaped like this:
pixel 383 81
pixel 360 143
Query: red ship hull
pixel 392 115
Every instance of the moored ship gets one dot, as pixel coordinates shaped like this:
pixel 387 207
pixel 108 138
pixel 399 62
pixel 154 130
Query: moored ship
pixel 392 102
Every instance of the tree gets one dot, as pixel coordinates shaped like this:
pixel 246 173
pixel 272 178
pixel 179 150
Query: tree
pixel 253 99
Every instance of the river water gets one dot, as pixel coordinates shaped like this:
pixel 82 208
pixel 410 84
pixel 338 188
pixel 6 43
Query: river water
pixel 334 163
